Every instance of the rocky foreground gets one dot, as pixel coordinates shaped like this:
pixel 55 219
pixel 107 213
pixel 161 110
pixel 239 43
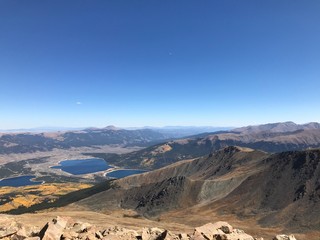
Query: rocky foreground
pixel 66 228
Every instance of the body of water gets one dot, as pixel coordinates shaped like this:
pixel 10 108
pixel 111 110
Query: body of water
pixel 18 181
pixel 77 167
pixel 123 173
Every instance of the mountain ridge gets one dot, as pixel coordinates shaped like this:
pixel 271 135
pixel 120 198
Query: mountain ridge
pixel 153 157
pixel 243 182
pixel 278 127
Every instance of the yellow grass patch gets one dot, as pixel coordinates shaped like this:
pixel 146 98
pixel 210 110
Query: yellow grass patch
pixel 14 197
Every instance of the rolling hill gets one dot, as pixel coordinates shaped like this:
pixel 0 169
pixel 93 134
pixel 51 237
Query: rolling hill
pixel 32 142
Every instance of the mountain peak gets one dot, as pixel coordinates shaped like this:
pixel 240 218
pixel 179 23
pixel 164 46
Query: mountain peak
pixel 112 127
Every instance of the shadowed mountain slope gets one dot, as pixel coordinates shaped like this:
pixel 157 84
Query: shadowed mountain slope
pixel 287 191
pixel 281 189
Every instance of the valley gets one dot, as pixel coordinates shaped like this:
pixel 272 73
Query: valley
pixel 181 183
pixel 40 163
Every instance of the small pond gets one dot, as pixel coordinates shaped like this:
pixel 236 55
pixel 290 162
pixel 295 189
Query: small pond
pixel 18 181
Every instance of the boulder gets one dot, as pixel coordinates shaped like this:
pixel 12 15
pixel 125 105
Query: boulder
pixel 223 226
pixel 8 227
pixel 20 234
pixel 79 227
pixel 7 233
pixel 284 237
pixel 183 236
pixel 167 235
pixel 206 231
pixel 153 234
pixel 128 234
pixel 233 236
pixel 69 234
pixel 120 233
pixel 53 230
pixel 88 233
pixel 219 231
pixel 99 235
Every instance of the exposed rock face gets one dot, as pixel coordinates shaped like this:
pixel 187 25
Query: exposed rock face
pixel 64 228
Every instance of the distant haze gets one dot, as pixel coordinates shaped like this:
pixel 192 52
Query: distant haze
pixel 179 131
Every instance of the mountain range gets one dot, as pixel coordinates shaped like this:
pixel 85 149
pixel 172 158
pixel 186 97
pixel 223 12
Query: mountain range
pixel 275 137
pixel 269 137
pixel 32 142
pixel 266 175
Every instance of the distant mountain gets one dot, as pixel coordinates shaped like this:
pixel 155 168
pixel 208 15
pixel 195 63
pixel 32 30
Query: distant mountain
pixel 277 127
pixel 31 142
pixel 275 137
pixel 279 190
pixel 164 150
pixel 39 130
pixel 183 131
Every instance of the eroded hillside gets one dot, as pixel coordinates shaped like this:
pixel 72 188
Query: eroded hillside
pixel 276 190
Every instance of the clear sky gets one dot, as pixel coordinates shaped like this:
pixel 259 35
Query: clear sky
pixel 83 63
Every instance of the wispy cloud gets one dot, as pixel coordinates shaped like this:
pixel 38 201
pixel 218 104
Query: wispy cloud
pixel 79 103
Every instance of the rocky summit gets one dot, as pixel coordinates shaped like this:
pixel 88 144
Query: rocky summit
pixel 66 228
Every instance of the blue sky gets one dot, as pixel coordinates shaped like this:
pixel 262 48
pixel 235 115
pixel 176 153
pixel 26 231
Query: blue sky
pixel 144 62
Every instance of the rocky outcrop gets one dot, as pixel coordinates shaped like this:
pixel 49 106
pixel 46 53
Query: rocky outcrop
pixel 219 231
pixel 284 237
pixel 12 230
pixel 54 229
pixel 65 228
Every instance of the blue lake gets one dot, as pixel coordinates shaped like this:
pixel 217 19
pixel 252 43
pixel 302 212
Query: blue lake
pixel 124 173
pixel 18 181
pixel 77 167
